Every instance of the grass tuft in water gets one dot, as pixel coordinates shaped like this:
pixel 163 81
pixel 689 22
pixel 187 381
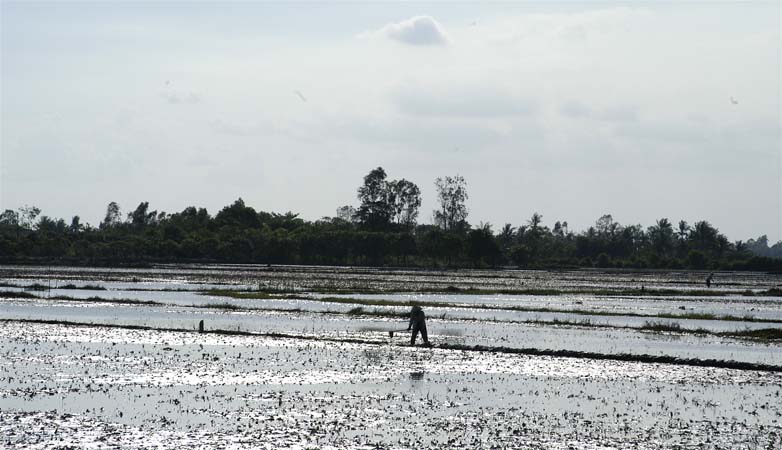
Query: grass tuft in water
pixel 652 325
pixel 356 311
pixel 760 334
pixel 86 287
pixel 225 306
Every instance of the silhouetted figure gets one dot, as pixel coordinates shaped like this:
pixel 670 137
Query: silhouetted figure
pixel 708 280
pixel 418 323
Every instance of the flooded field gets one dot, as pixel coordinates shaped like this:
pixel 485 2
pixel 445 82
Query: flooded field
pixel 301 357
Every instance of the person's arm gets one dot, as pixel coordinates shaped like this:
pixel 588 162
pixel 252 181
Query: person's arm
pixel 410 325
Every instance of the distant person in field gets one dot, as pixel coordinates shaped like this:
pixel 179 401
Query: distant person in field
pixel 708 280
pixel 418 323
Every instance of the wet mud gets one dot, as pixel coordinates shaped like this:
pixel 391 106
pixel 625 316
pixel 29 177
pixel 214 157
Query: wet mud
pixel 111 358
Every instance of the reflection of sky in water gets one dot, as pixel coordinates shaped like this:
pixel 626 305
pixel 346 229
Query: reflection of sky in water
pixel 301 278
pixel 758 307
pixel 519 335
pixel 176 390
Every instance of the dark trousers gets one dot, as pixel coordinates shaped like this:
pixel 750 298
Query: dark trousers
pixel 422 328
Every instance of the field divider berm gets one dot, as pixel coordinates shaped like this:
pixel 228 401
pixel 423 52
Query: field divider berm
pixel 438 304
pixel 625 357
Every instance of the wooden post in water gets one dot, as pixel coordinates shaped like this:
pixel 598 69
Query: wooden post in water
pixel 201 326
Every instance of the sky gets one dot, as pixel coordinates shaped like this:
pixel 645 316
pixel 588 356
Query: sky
pixel 642 110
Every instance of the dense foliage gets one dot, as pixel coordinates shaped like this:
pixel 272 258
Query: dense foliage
pixel 382 231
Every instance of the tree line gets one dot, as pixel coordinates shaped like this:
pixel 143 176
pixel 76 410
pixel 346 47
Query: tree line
pixel 382 230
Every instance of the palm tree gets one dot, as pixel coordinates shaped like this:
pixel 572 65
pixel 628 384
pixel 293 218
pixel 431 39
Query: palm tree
pixel 684 230
pixel 506 236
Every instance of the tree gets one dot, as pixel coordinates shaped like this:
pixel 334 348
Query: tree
pixel 684 230
pixel 376 210
pixel 191 218
pixel 603 260
pixel 405 199
pixel 238 214
pixel 759 246
pixel 140 218
pixel 289 221
pixel 534 234
pixel 704 236
pixel 696 259
pixel 481 245
pixel 451 194
pixel 47 224
pixel 606 227
pixel 9 218
pixel 346 213
pixel 27 216
pixel 75 226
pixel 661 235
pixel 723 245
pixel 113 217
pixel 519 254
pixel 534 225
pixel 560 229
pixel 506 236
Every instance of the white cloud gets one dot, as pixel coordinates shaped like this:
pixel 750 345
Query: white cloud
pixel 418 30
pixel 587 109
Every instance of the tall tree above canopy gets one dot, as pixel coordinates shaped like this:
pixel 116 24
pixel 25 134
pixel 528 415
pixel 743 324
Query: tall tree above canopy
pixel 405 200
pixel 113 216
pixel 606 226
pixel 238 214
pixel 704 236
pixel 27 216
pixel 684 230
pixel 376 209
pixel 141 216
pixel 452 195
pixel 506 236
pixel 76 225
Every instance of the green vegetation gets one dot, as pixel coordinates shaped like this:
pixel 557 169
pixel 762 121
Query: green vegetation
pixel 765 334
pixel 15 294
pixel 226 306
pixel 294 293
pixel 121 301
pixel 86 287
pixel 41 287
pixel 436 304
pixel 759 334
pixel 26 287
pixel 257 295
pixel 661 326
pixel 659 359
pixel 382 230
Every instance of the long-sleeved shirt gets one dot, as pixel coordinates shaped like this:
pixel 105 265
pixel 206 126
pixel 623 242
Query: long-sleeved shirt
pixel 417 317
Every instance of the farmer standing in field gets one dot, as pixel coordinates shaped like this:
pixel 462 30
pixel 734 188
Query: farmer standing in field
pixel 418 323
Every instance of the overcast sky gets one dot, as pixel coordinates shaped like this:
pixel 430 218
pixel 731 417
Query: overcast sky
pixel 641 110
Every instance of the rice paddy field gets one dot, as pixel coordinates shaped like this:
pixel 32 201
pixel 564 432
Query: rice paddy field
pixel 302 358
